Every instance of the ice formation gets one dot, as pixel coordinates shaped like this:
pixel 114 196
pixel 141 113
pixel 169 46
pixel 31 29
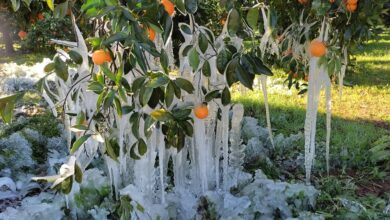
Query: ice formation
pixel 211 159
pixel 318 78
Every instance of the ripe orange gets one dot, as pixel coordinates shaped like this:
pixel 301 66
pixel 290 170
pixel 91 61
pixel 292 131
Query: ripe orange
pixel 168 6
pixel 317 48
pixel 303 2
pixel 201 111
pixel 351 7
pixel 22 35
pixel 100 56
pixel 152 34
pixel 352 2
pixel 40 17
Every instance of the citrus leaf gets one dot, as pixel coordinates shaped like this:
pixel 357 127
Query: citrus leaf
pixel 76 145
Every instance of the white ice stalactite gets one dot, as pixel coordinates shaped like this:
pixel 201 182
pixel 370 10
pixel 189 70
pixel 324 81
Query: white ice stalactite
pixel 263 80
pixel 268 43
pixel 161 158
pixel 343 69
pixel 225 144
pixel 318 78
pixel 237 155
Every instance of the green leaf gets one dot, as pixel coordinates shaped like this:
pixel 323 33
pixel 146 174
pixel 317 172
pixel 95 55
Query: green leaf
pixel 231 72
pixel 49 68
pixel 203 42
pixel 66 185
pixel 164 60
pixel 108 100
pixel 161 115
pixel 95 87
pixel 252 18
pixel 78 174
pixel 145 94
pixel 137 83
pixel 134 121
pixel 206 69
pixel 142 148
pixel 223 59
pixel 185 85
pixel 15 4
pixel 61 9
pixel 191 6
pixel 50 4
pixel 181 114
pixel 110 150
pixel 76 57
pixel 148 128
pixel 245 78
pixel 180 6
pixel 76 145
pixel 193 57
pixel 133 155
pixel 234 22
pixel 187 128
pixel 169 94
pixel 225 98
pixel 211 95
pixel 186 50
pixel 119 36
pixel 158 81
pixel 61 68
pixel 185 28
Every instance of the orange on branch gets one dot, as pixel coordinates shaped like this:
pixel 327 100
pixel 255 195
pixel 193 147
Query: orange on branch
pixel 40 17
pixel 168 6
pixel 201 111
pixel 317 48
pixel 151 34
pixel 351 7
pixel 22 35
pixel 100 56
pixel 303 2
pixel 352 2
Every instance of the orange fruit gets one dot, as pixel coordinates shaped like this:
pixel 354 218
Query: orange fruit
pixel 351 7
pixel 168 6
pixel 303 2
pixel 100 56
pixel 40 17
pixel 317 48
pixel 352 2
pixel 151 34
pixel 22 35
pixel 201 111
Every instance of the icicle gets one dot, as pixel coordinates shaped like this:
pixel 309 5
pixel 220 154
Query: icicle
pixel 343 70
pixel 161 152
pixel 50 103
pixel 200 145
pixel 327 85
pixel 225 143
pixel 263 80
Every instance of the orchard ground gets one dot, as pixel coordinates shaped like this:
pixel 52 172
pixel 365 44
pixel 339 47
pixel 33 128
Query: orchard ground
pixel 360 117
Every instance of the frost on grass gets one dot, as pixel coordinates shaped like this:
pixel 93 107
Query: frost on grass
pixel 15 78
